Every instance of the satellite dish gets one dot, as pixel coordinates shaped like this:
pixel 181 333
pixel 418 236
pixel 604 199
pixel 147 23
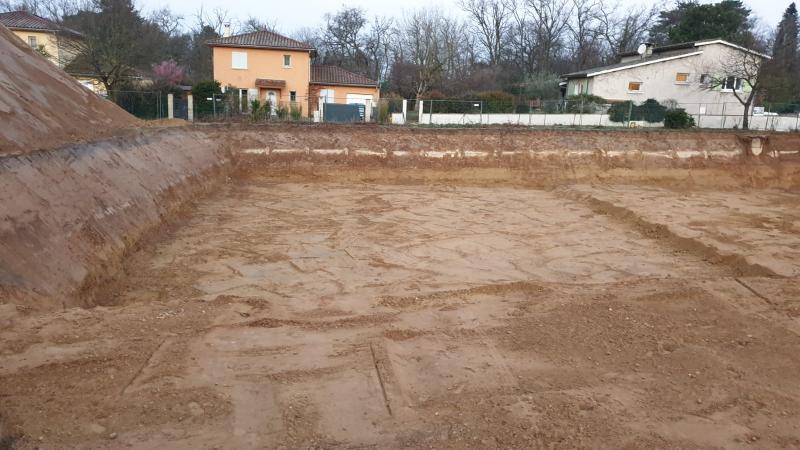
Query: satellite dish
pixel 642 48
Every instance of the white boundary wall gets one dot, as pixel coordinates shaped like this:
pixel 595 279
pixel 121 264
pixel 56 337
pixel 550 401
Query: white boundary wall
pixel 776 123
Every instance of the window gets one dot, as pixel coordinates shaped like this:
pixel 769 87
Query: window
pixel 287 60
pixel 681 78
pixel 33 42
pixel 328 95
pixel 705 79
pixel 292 96
pixel 731 84
pixel 634 86
pixel 239 60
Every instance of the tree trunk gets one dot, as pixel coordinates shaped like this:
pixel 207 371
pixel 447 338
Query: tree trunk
pixel 746 117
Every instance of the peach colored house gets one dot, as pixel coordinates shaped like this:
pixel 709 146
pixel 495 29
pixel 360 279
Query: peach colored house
pixel 267 66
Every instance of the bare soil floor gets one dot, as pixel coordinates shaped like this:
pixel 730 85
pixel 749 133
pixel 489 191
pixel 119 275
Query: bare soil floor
pixel 325 315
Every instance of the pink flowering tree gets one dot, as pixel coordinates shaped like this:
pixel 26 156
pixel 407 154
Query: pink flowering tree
pixel 168 73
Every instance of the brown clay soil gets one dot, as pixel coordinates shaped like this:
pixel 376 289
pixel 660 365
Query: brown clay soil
pixel 42 107
pixel 321 314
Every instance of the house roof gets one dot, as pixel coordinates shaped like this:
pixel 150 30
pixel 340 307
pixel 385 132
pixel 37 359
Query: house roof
pixel 260 39
pixel 335 75
pixel 23 20
pixel 660 54
pixel 631 64
pixel 694 44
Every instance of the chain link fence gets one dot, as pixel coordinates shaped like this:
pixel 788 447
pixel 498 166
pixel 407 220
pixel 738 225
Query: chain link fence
pixel 148 105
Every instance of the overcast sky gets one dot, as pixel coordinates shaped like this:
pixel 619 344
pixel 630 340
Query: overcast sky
pixel 295 14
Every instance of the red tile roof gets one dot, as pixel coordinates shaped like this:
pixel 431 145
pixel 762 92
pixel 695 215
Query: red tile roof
pixel 23 20
pixel 334 75
pixel 260 39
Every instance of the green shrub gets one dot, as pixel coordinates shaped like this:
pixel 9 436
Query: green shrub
pixel 255 110
pixel 618 112
pixel 497 102
pixel 584 103
pixel 678 118
pixel 651 111
pixel 206 88
pixel 296 111
pixel 383 112
pixel 282 112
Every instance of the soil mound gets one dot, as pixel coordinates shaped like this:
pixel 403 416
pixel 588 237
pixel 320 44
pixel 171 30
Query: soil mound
pixel 42 107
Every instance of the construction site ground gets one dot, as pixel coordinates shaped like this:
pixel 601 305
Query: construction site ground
pixel 321 314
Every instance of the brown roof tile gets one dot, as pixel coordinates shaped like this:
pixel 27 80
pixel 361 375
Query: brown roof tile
pixel 267 83
pixel 260 39
pixel 334 75
pixel 24 20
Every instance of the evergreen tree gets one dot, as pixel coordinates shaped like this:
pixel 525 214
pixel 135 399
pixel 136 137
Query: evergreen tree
pixel 782 78
pixel 690 21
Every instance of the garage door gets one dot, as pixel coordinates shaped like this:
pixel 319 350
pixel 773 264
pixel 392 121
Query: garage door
pixel 359 99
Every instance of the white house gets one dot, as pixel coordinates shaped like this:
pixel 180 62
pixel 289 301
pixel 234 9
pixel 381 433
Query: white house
pixel 680 72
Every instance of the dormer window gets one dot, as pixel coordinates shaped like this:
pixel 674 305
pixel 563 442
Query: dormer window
pixel 287 61
pixel 32 41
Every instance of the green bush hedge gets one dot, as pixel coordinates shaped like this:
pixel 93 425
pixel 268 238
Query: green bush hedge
pixel 678 118
pixel 584 103
pixel 649 111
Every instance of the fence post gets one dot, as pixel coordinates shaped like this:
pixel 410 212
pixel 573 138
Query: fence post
pixel 190 108
pixel 480 119
pixel 170 106
pixel 724 117
pixel 580 121
pixel 368 111
pixel 421 114
pixel 630 111
pixel 405 110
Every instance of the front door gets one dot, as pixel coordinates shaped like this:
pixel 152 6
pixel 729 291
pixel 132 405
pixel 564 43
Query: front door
pixel 273 102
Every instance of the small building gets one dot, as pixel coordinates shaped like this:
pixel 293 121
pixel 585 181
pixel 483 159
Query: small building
pixel 269 67
pixel 59 44
pixel 679 72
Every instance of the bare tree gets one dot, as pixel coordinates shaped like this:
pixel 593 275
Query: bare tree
pixel 217 19
pixel 490 19
pixel 624 30
pixel 378 47
pixel 253 24
pixel 549 19
pixel 739 72
pixel 584 31
pixel 343 38
pixel 419 35
pixel 166 21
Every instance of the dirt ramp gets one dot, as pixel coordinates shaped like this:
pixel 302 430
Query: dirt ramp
pixel 42 107
pixel 68 216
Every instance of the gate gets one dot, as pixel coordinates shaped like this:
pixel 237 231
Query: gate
pixel 334 112
pixel 181 107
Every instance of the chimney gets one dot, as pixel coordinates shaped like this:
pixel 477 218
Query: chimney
pixel 226 30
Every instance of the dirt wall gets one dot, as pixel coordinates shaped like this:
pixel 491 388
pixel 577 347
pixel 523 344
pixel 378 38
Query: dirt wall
pixel 355 137
pixel 68 216
pixel 42 107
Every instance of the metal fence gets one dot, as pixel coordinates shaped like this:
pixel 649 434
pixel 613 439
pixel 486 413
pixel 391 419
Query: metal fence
pixel 142 104
pixel 583 112
pixel 233 106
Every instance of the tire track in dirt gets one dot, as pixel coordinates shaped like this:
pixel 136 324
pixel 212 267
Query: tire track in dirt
pixel 738 264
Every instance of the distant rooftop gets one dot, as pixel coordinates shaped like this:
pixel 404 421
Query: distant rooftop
pixel 23 20
pixel 260 39
pixel 334 75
